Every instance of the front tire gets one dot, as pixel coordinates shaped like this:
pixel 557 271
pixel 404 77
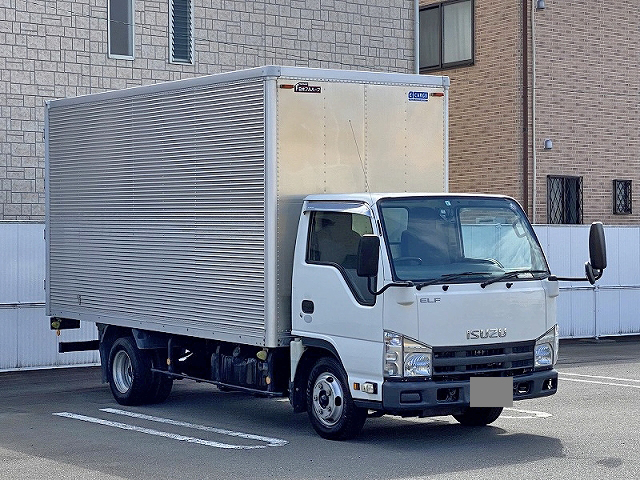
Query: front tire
pixel 330 406
pixel 478 417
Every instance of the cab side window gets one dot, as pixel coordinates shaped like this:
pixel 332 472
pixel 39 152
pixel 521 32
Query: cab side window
pixel 333 240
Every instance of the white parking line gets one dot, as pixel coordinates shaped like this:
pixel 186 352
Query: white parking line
pixel 526 414
pixel 600 376
pixel 599 383
pixel 519 415
pixel 174 436
pixel 272 442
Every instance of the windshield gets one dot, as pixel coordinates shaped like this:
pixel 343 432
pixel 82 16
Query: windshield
pixel 460 239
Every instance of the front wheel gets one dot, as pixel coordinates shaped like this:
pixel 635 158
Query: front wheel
pixel 329 404
pixel 477 417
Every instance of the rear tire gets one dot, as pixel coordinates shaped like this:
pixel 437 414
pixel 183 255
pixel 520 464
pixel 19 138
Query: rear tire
pixel 478 417
pixel 161 386
pixel 129 373
pixel 330 406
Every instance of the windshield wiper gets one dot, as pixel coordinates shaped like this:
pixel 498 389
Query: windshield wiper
pixel 443 278
pixel 513 273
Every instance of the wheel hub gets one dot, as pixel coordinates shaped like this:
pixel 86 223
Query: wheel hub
pixel 122 372
pixel 327 399
pixel 324 399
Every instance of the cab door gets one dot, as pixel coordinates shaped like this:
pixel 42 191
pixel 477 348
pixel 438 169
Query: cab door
pixel 330 302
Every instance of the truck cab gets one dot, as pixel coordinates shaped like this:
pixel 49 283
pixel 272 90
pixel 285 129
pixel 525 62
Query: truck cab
pixel 459 288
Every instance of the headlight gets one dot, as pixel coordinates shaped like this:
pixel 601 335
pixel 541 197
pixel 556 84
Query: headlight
pixel 404 357
pixel 392 354
pixel 546 349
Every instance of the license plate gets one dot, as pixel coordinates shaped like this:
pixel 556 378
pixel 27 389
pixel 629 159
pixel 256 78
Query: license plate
pixel 491 392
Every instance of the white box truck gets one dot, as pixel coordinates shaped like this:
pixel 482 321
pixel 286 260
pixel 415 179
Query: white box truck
pixel 264 230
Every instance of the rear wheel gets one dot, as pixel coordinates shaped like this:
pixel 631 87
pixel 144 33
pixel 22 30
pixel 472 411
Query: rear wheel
pixel 161 384
pixel 161 388
pixel 329 404
pixel 477 417
pixel 129 373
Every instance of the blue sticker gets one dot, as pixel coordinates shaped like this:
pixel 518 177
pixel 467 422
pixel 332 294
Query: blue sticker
pixel 418 96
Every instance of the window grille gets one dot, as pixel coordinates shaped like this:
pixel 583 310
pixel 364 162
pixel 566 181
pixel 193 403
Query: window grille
pixel 181 31
pixel 564 200
pixel 622 197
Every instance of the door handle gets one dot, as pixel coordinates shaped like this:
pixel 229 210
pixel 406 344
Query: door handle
pixel 307 307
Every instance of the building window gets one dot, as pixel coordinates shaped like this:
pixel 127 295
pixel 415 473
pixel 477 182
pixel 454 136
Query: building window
pixel 121 28
pixel 564 201
pixel 446 35
pixel 622 197
pixel 181 31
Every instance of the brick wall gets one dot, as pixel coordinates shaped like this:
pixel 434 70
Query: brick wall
pixel 52 49
pixel 485 109
pixel 587 101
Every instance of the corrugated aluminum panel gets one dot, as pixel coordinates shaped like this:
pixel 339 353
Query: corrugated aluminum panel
pixel 156 210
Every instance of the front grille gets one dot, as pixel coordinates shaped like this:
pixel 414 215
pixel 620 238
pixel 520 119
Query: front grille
pixel 461 363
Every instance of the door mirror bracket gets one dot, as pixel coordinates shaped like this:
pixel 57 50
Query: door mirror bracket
pixel 594 268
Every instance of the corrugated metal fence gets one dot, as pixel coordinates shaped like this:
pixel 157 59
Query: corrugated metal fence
pixel 612 307
pixel 26 340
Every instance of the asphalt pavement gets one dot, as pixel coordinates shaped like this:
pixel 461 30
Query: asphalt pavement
pixel 63 423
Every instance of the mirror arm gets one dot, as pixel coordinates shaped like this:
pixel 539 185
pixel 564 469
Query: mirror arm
pixel 592 275
pixel 568 279
pixel 388 285
pixel 597 274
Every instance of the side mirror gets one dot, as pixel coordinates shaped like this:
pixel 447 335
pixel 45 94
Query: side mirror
pixel 597 256
pixel 597 247
pixel 368 256
pixel 597 253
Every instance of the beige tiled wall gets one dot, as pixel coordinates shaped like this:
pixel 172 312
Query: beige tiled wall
pixel 54 48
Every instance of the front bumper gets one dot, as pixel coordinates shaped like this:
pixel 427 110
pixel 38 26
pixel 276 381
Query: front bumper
pixel 429 398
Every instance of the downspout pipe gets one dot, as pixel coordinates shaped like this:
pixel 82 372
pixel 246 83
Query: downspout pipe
pixel 525 107
pixel 416 36
pixel 534 181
